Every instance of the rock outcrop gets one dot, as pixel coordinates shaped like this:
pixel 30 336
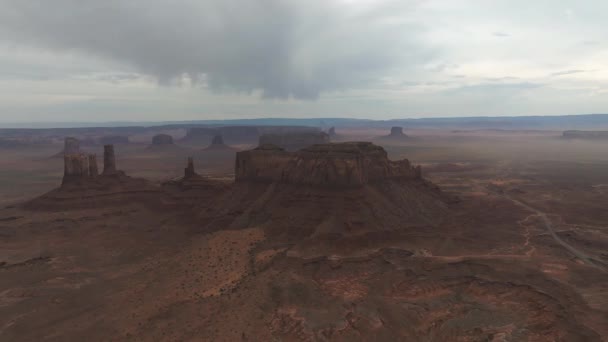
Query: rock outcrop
pixel 189 170
pixel 162 140
pixel 397 131
pixel 70 146
pixel 109 160
pixel 294 141
pixel 347 165
pixel 79 167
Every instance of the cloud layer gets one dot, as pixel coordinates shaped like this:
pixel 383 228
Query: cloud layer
pixel 104 60
pixel 282 47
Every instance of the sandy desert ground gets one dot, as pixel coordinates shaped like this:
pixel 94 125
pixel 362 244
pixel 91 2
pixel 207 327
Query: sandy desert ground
pixel 514 248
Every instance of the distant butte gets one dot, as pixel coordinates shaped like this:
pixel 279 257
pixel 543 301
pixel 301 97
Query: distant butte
pixel 295 140
pixel 217 144
pixel 163 143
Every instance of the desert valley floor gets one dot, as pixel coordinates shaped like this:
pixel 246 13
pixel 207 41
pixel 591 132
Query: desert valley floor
pixel 505 239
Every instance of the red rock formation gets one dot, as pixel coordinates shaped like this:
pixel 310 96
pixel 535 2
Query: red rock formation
pixel 93 170
pixel 109 160
pixel 75 168
pixel 262 164
pixel 79 167
pixel 70 146
pixel 329 165
pixel 189 170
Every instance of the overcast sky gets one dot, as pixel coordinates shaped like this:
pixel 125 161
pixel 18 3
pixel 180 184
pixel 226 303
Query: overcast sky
pixel 92 60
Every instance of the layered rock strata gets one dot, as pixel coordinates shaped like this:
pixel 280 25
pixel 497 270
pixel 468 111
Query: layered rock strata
pixel 353 164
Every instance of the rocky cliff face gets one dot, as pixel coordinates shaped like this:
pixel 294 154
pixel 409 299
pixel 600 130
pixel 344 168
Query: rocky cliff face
pixel 263 164
pixel 294 141
pixel 70 146
pixel 79 167
pixel 327 165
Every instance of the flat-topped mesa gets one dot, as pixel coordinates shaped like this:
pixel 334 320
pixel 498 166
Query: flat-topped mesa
pixel 162 140
pixel 342 165
pixel 294 141
pixel 109 160
pixel 79 167
pixel 397 131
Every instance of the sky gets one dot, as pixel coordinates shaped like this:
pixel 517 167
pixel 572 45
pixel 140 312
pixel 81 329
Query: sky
pixel 156 60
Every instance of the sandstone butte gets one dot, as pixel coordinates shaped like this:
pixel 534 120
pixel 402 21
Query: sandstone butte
pixel 352 164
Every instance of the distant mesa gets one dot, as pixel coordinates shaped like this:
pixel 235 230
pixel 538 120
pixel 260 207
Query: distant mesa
pixel 396 134
pixel 217 144
pixel 163 143
pixel 162 139
pixel 585 135
pixel 294 141
pixel 341 165
pixel 71 145
pixel 12 143
pixel 239 134
pixel 114 140
pixel 199 135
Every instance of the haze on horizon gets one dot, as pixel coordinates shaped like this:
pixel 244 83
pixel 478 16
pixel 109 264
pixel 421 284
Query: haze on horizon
pixel 154 60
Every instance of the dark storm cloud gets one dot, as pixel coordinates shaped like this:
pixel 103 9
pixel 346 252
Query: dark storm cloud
pixel 282 47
